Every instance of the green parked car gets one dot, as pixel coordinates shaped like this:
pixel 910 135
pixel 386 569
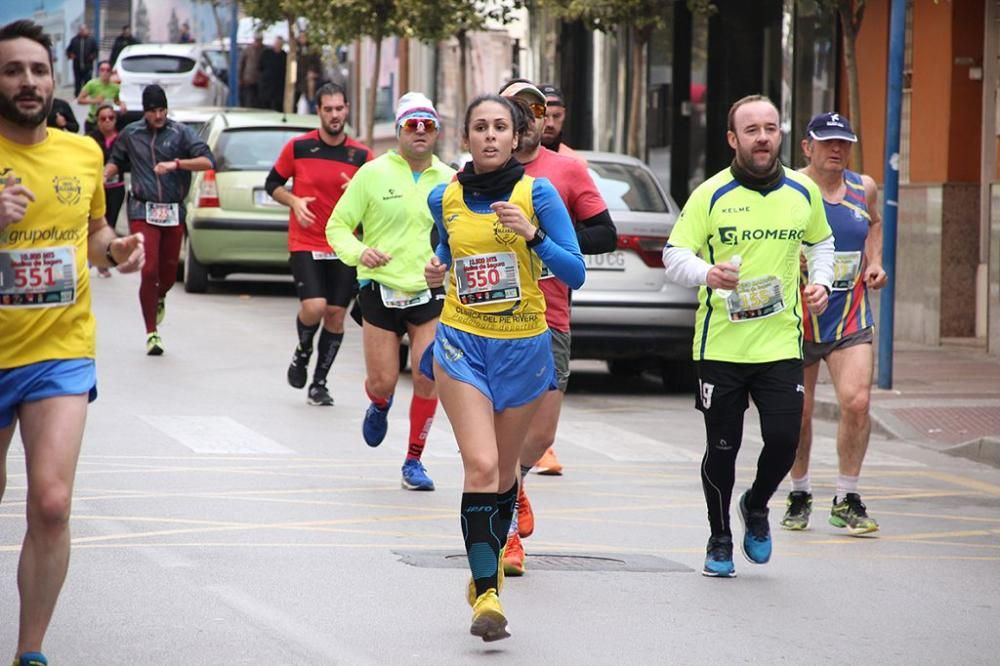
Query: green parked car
pixel 233 226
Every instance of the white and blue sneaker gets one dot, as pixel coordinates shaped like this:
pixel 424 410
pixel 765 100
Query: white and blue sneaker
pixel 415 476
pixel 756 532
pixel 719 557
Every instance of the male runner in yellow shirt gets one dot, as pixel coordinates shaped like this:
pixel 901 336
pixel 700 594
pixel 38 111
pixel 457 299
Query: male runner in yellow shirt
pixel 51 224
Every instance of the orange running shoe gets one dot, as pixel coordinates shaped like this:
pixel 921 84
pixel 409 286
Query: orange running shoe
pixel 525 516
pixel 513 557
pixel 548 464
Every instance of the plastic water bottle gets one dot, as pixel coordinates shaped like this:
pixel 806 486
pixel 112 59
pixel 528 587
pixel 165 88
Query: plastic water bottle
pixel 736 260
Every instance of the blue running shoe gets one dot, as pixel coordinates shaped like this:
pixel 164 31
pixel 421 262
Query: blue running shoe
pixel 719 558
pixel 756 532
pixel 415 476
pixel 376 424
pixel 31 659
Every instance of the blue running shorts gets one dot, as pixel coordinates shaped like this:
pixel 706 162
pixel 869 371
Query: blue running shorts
pixel 45 379
pixel 509 372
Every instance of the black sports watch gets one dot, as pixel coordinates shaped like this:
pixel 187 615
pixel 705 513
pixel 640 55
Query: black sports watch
pixel 537 238
pixel 110 257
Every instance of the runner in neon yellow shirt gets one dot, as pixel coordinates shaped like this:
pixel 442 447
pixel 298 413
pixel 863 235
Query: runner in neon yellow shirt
pixel 389 197
pixel 748 338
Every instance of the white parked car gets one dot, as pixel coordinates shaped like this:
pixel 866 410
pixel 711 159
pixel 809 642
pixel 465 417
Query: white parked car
pixel 184 71
pixel 627 313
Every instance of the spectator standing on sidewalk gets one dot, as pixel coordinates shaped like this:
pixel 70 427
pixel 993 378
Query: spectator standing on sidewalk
pixel 271 84
pixel 82 50
pixel 842 335
pixel 249 74
pixel 124 39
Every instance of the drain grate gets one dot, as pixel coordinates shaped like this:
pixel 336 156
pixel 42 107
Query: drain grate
pixel 440 559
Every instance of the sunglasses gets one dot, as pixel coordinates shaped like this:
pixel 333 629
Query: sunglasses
pixel 537 109
pixel 417 124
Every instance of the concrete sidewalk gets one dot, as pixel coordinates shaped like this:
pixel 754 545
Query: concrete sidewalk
pixel 946 398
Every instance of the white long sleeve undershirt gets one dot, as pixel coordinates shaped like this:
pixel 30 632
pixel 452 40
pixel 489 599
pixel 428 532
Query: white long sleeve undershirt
pixel 687 269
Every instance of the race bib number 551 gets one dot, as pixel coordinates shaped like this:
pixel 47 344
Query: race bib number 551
pixel 487 278
pixel 38 278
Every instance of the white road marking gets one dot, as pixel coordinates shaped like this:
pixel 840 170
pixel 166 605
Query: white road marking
pixel 215 434
pixel 620 444
pixel 289 629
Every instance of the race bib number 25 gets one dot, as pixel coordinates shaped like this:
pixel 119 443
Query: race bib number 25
pixel 38 278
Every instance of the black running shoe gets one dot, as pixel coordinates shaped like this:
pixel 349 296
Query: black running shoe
pixel 298 371
pixel 798 509
pixel 319 396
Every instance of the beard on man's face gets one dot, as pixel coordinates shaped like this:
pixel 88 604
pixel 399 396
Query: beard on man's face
pixel 746 159
pixel 10 112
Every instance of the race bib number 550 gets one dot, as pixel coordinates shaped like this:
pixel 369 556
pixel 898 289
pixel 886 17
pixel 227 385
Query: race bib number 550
pixel 487 278
pixel 38 278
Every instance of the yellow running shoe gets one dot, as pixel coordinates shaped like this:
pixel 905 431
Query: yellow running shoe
pixel 471 592
pixel 488 620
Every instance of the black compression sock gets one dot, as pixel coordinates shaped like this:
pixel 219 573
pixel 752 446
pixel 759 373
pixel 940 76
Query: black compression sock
pixel 306 336
pixel 506 503
pixel 482 545
pixel 329 345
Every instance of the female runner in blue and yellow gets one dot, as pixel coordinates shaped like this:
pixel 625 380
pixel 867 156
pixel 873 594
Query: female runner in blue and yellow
pixel 492 356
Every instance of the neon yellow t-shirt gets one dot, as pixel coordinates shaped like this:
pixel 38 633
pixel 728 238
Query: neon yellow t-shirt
pixel 761 321
pixel 44 282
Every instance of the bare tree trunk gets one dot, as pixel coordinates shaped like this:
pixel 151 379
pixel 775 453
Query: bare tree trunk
pixel 404 65
pixel 463 78
pixel 373 93
pixel 291 66
pixel 218 23
pixel 635 124
pixel 850 22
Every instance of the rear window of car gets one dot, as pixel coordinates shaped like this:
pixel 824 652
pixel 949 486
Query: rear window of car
pixel 255 149
pixel 627 187
pixel 157 64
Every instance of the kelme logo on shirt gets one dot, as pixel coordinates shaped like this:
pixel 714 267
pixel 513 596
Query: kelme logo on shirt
pixel 67 189
pixel 727 235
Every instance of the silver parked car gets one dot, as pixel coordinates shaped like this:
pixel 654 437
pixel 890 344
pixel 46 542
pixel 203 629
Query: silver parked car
pixel 627 313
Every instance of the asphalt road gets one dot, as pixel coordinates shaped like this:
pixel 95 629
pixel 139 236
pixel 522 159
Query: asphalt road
pixel 219 519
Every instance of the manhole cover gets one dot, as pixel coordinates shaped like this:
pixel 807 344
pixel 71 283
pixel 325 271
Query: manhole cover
pixel 440 559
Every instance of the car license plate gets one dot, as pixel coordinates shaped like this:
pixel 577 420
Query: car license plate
pixel 611 261
pixel 262 198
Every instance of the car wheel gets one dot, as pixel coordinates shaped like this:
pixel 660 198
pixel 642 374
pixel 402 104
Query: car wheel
pixel 626 367
pixel 679 376
pixel 195 273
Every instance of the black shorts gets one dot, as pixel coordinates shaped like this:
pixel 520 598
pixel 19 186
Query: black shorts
pixel 724 388
pixel 330 279
pixel 376 313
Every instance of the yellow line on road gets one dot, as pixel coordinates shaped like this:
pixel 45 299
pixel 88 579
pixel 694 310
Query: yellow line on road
pixel 965 482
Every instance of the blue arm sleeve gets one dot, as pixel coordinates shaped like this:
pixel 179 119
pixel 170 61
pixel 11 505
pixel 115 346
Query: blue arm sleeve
pixel 560 250
pixel 434 202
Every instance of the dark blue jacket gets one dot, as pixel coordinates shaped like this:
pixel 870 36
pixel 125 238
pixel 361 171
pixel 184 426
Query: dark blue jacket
pixel 140 148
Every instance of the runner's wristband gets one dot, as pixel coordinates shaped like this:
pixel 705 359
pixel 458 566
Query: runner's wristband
pixel 177 165
pixel 109 256
pixel 537 238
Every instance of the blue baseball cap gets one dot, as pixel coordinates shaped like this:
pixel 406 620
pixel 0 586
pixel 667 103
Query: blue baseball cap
pixel 827 126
